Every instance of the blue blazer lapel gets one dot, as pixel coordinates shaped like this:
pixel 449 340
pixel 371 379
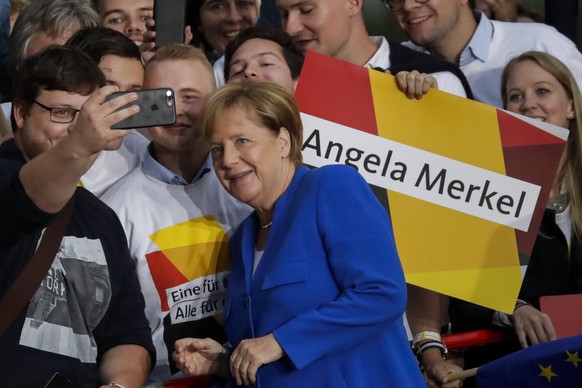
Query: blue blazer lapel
pixel 281 217
pixel 248 247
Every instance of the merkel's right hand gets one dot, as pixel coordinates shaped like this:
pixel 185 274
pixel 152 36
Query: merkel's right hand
pixel 198 357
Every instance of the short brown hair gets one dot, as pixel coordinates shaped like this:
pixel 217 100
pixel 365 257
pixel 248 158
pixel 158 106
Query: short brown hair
pixel 179 51
pixel 292 55
pixel 268 104
pixel 65 68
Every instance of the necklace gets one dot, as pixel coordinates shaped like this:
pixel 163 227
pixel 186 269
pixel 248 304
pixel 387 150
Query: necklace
pixel 266 226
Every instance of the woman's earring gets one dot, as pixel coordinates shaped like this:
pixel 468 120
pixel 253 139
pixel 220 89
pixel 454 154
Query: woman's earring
pixel 571 116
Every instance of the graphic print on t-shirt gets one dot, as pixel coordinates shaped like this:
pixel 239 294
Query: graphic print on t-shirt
pixel 190 273
pixel 70 302
pixel 191 269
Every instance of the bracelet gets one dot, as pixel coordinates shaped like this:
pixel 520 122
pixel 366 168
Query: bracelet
pixel 520 303
pixel 502 319
pixel 432 344
pixel 116 385
pixel 419 350
pixel 426 335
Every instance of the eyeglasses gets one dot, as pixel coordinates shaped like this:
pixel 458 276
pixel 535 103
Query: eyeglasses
pixel 396 5
pixel 59 115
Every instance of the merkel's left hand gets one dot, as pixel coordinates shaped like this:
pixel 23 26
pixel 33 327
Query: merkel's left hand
pixel 250 354
pixel 415 84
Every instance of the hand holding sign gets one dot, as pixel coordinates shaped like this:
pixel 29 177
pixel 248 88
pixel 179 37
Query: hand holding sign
pixel 470 179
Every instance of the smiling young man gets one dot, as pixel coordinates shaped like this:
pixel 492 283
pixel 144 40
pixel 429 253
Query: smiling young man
pixel 86 318
pixel 336 28
pixel 453 31
pixel 263 54
pixel 177 217
pixel 126 16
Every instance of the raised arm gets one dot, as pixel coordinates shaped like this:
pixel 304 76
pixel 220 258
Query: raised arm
pixel 50 178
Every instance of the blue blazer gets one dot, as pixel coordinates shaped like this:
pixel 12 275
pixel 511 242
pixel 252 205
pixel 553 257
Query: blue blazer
pixel 329 286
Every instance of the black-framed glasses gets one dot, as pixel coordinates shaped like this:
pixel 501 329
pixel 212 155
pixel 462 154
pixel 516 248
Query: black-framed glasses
pixel 396 5
pixel 59 115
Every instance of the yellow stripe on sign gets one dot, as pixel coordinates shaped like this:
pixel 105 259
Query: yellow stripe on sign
pixel 475 285
pixel 435 130
pixel 203 259
pixel 434 238
pixel 195 231
pixel 442 249
pixel 198 247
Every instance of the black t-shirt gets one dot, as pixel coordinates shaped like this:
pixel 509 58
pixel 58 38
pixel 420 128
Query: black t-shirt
pixel 89 301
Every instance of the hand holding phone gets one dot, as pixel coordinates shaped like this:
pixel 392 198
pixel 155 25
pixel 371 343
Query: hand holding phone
pixel 156 107
pixel 170 18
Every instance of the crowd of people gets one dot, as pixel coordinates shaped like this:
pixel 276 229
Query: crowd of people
pixel 205 253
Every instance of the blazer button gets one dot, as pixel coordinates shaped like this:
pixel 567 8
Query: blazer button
pixel 246 301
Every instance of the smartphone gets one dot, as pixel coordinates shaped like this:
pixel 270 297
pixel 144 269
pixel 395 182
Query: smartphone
pixel 156 107
pixel 170 18
pixel 59 381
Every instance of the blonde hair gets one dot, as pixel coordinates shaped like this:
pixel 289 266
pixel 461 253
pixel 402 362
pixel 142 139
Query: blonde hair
pixel 570 171
pixel 179 51
pixel 266 103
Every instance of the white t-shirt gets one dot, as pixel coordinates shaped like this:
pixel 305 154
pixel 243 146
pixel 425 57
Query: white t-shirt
pixel 111 166
pixel 178 236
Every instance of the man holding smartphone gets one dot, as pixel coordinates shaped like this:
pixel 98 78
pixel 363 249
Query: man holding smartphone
pixel 86 318
pixel 177 217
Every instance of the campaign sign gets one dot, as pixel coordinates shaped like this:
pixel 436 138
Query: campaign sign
pixel 465 183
